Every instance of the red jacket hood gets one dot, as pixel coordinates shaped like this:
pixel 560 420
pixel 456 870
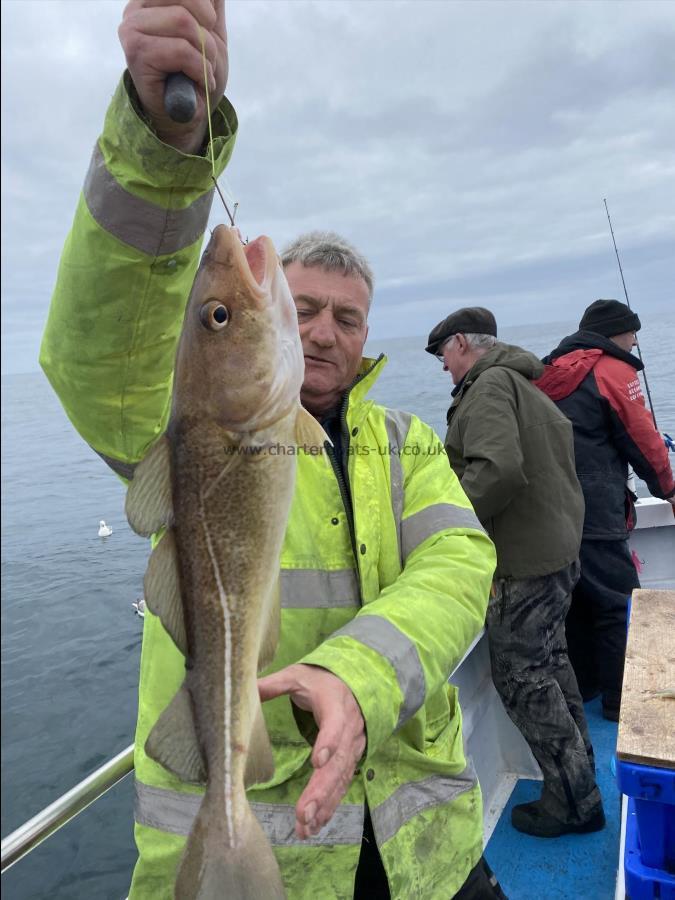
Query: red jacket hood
pixel 565 374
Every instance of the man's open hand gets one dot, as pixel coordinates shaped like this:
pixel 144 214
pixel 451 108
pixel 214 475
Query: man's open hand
pixel 163 36
pixel 340 743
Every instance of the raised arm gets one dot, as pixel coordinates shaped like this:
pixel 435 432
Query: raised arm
pixel 130 258
pixel 163 36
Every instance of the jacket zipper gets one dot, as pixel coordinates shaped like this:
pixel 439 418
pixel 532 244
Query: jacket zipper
pixel 342 472
pixel 344 493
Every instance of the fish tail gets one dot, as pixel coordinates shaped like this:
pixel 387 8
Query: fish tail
pixel 214 867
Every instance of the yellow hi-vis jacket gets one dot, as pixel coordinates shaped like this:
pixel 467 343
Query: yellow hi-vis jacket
pixel 389 610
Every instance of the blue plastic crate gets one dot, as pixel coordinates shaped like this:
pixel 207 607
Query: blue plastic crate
pixel 643 882
pixel 653 790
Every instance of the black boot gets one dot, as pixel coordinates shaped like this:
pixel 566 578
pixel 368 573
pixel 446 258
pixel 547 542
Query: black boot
pixel 589 694
pixel 611 708
pixel 532 818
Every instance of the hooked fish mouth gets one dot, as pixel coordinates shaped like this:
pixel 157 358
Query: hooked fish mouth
pixel 256 261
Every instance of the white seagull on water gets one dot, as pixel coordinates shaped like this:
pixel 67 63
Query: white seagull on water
pixel 104 530
pixel 139 607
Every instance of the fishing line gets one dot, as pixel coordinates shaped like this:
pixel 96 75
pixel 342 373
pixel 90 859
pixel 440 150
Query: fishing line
pixel 208 104
pixel 208 119
pixel 625 292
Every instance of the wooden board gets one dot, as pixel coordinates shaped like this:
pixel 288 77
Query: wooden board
pixel 647 722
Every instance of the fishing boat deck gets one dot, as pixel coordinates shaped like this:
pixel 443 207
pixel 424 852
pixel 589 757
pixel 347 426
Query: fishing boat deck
pixel 583 867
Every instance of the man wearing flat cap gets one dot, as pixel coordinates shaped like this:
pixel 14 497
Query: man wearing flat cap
pixel 592 376
pixel 512 450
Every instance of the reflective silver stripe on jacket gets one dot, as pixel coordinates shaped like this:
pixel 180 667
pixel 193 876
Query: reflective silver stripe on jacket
pixel 382 636
pixel 137 222
pixel 397 425
pixel 428 521
pixel 175 813
pixel 416 796
pixel 319 588
pixel 300 588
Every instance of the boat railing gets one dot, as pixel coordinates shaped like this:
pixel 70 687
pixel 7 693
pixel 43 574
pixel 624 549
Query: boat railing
pixel 35 830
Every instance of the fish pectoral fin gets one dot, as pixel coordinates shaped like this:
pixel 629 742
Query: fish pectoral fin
pixel 161 588
pixel 148 505
pixel 173 741
pixel 308 432
pixel 270 637
pixel 259 761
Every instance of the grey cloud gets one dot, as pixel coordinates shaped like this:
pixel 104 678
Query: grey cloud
pixel 465 147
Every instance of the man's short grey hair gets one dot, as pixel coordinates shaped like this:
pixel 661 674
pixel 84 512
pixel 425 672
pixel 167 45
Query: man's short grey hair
pixel 327 250
pixel 480 341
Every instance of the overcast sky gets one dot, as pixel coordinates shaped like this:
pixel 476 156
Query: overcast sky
pixel 465 147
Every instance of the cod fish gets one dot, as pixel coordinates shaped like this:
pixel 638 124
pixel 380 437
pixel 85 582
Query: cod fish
pixel 221 484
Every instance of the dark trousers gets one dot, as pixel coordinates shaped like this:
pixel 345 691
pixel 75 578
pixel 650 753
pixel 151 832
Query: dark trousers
pixel 596 622
pixel 536 684
pixel 371 879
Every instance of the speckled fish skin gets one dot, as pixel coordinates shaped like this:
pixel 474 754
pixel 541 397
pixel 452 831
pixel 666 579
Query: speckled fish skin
pixel 235 404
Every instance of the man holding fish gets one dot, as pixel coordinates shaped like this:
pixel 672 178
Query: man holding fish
pixel 359 783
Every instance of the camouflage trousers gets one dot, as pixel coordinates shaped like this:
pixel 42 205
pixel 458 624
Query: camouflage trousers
pixel 536 683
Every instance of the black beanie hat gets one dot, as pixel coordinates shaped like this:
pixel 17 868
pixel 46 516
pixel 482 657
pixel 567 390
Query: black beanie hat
pixel 609 318
pixel 468 320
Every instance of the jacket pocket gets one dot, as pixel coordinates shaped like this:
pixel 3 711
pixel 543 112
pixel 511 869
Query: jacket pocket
pixel 441 730
pixel 605 498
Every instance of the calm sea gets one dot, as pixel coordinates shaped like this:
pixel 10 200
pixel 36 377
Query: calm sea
pixel 70 638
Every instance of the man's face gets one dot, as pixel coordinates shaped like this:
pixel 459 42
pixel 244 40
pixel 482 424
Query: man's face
pixel 332 315
pixel 452 361
pixel 626 341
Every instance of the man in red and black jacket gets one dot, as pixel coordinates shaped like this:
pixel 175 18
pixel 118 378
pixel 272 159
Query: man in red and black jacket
pixel 593 378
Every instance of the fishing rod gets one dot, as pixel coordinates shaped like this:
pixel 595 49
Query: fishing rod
pixel 625 292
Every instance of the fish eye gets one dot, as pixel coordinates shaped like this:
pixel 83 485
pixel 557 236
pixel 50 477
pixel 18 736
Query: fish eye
pixel 214 315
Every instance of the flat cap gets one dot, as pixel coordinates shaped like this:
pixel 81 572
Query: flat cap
pixel 468 320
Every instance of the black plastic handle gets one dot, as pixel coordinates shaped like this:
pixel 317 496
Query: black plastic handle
pixel 180 97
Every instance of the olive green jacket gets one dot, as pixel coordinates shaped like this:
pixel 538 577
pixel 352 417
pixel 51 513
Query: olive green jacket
pixel 513 452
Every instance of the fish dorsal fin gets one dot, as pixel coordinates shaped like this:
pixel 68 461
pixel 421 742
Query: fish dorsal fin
pixel 259 760
pixel 148 504
pixel 308 432
pixel 161 588
pixel 270 637
pixel 173 741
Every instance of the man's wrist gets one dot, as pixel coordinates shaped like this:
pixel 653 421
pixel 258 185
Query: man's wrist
pixel 192 142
